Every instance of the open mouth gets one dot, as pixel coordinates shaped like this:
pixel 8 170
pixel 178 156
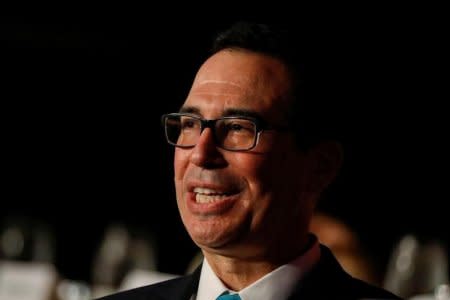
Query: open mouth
pixel 206 195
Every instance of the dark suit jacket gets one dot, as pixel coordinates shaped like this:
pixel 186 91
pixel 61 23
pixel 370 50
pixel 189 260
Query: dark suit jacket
pixel 327 280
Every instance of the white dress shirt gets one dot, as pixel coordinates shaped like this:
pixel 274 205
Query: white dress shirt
pixel 277 284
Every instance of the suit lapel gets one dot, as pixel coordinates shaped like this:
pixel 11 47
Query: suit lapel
pixel 181 288
pixel 324 281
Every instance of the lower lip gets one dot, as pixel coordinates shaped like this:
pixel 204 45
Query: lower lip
pixel 212 208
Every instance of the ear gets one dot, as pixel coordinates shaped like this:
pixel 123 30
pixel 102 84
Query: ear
pixel 325 161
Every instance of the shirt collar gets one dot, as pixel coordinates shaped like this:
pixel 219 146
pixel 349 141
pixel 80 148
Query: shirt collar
pixel 210 286
pixel 277 284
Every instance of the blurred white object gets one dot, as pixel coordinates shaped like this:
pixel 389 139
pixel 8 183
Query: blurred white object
pixel 73 290
pixel 432 267
pixel 133 279
pixel 442 292
pixel 416 268
pixel 99 291
pixel 401 267
pixel 12 242
pixel 423 297
pixel 111 256
pixel 122 250
pixel 24 239
pixel 137 278
pixel 30 281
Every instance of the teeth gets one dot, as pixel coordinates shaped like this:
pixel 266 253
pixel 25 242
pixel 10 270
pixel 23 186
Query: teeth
pixel 206 191
pixel 205 195
pixel 201 198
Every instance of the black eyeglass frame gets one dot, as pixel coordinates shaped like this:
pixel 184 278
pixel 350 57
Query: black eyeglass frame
pixel 260 126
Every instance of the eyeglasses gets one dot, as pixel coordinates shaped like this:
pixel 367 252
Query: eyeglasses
pixel 238 133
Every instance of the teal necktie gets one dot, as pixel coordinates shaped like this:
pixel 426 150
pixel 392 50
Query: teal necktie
pixel 227 296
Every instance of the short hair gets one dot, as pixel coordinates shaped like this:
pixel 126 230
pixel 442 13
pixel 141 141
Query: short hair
pixel 311 116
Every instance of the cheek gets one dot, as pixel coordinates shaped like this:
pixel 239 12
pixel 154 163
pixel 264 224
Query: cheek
pixel 273 172
pixel 253 169
pixel 247 164
pixel 180 163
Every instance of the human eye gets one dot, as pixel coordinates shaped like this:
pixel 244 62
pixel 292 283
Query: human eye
pixel 189 123
pixel 239 126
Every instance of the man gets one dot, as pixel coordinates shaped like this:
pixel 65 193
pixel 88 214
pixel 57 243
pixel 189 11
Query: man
pixel 251 160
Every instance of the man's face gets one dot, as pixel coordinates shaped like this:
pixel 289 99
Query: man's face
pixel 246 200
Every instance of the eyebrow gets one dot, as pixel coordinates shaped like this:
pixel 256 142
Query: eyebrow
pixel 189 110
pixel 231 112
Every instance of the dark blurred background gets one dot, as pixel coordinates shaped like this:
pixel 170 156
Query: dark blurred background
pixel 83 89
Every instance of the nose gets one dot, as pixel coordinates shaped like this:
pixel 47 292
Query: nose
pixel 206 154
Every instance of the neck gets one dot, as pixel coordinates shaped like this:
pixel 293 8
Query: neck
pixel 238 271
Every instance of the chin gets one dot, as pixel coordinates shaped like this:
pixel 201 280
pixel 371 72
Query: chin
pixel 208 238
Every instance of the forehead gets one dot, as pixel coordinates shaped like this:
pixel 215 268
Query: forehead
pixel 239 79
